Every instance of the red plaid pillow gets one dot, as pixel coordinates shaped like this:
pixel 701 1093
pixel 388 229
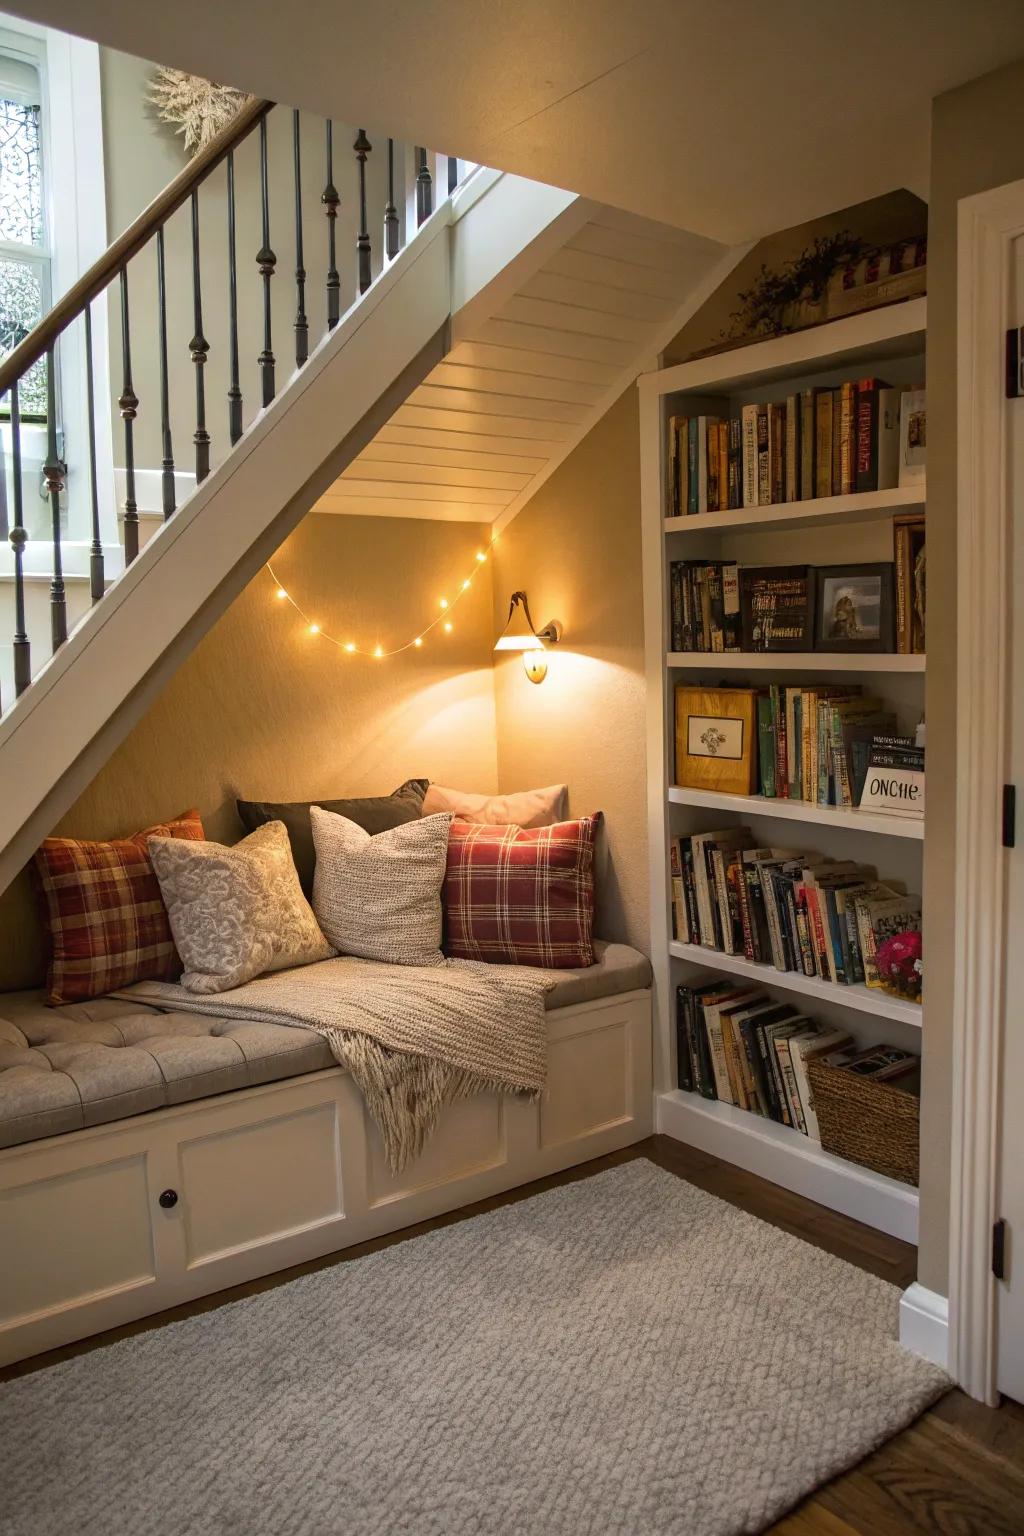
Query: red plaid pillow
pixel 107 922
pixel 521 897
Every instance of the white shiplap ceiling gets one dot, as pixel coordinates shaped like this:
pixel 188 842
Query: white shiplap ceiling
pixel 517 392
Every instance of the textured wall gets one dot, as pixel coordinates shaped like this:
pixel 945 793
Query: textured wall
pixel 262 710
pixel 575 548
pixel 977 143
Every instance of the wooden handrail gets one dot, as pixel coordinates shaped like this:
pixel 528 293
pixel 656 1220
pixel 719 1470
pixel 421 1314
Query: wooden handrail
pixel 42 337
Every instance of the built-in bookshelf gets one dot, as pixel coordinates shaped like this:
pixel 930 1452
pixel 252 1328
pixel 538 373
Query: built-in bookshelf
pixel 829 530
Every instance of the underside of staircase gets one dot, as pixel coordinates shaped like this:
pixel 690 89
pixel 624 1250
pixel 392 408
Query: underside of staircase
pixel 454 385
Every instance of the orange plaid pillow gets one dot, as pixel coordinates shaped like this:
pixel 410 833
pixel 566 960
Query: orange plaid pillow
pixel 107 921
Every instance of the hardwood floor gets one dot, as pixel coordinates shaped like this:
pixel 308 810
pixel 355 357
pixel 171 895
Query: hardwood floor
pixel 959 1471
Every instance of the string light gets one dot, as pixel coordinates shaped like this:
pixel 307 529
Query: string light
pixel 378 652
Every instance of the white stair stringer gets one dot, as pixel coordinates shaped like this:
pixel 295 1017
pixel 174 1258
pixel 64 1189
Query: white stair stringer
pixel 87 698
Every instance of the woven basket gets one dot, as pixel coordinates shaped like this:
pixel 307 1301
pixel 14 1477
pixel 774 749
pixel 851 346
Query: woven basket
pixel 874 1124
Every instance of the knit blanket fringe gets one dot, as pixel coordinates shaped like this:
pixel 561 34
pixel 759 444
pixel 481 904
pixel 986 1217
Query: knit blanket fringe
pixel 414 1038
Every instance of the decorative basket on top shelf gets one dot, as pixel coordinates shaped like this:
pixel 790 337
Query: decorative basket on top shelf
pixel 871 1123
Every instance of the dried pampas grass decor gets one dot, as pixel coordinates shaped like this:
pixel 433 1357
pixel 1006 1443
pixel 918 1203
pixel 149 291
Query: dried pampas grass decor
pixel 196 108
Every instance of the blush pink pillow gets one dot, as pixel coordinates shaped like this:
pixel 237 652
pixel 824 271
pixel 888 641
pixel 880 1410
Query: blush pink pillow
pixel 527 808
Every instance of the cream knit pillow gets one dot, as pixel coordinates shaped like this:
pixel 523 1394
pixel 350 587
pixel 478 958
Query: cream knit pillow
pixel 379 897
pixel 236 912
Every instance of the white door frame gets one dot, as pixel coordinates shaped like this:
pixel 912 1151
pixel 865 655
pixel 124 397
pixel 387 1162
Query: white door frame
pixel 988 224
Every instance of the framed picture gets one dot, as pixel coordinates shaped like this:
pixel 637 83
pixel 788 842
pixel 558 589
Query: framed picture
pixel 716 736
pixel 854 608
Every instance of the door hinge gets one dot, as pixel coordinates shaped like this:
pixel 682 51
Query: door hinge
pixel 999 1248
pixel 1009 815
pixel 1014 363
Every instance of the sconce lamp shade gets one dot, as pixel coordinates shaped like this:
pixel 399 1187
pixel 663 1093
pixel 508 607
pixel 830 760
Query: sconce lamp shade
pixel 519 633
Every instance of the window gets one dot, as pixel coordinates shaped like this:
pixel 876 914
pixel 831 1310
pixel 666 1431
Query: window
pixel 25 279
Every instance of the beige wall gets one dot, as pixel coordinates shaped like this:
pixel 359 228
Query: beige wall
pixel 263 710
pixel 575 549
pixel 977 143
pixel 141 155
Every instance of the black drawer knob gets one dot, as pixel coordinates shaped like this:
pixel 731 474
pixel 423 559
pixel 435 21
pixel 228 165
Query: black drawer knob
pixel 169 1199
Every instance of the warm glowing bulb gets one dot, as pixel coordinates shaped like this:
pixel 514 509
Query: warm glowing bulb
pixel 281 592
pixel 379 652
pixel 314 629
pixel 481 556
pixel 466 584
pixel 418 640
pixel 444 602
pixel 350 647
pixel 448 629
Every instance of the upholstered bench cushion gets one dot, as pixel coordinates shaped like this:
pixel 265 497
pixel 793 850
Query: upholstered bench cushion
pixel 88 1063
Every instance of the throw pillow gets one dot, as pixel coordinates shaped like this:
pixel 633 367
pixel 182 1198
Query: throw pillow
pixel 526 808
pixel 236 912
pixel 519 897
pixel 380 897
pixel 107 924
pixel 375 814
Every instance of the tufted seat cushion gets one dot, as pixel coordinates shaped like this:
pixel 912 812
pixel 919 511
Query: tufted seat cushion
pixel 62 1069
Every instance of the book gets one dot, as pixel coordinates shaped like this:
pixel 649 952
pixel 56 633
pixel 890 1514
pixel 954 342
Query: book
pixel 847 438
pixel 766 745
pixel 676 466
pixel 837 443
pixel 777 608
pixel 777 442
pixel 877 454
pixel 791 486
pixel 879 919
pixel 909 559
pixel 711 429
pixel 764 457
pixel 823 442
pixel 748 420
pixel 808 446
pixel 913 437
pixel 722 437
pixel 802 1047
pixel 734 467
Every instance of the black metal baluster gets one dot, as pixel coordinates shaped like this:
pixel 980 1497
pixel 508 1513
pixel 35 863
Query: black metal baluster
pixel 96 578
pixel 362 148
pixel 390 211
pixel 167 465
pixel 54 472
pixel 424 188
pixel 128 405
pixel 199 350
pixel 266 261
pixel 453 174
pixel 19 537
pixel 330 200
pixel 234 388
pixel 301 323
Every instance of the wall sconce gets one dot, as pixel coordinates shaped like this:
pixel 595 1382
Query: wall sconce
pixel 519 634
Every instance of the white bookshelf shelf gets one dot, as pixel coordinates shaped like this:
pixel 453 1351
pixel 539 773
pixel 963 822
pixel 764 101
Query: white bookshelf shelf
pixel 800 810
pixel 862 999
pixel 784 1156
pixel 791 661
pixel 824 511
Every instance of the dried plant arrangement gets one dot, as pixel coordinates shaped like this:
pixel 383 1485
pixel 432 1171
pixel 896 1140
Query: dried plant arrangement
pixel 196 108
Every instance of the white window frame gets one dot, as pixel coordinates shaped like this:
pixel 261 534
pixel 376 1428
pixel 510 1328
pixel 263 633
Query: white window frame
pixel 75 195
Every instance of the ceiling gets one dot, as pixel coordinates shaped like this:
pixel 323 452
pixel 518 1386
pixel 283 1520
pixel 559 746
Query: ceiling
pixel 729 118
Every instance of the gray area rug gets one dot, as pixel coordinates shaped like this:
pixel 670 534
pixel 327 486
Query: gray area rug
pixel 623 1354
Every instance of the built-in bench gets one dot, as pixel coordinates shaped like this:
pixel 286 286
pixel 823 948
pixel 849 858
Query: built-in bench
pixel 152 1156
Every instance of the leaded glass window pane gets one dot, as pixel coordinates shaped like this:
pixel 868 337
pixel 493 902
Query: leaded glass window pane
pixel 21 182
pixel 21 307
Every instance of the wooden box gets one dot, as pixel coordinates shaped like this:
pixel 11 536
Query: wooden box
pixel 716 739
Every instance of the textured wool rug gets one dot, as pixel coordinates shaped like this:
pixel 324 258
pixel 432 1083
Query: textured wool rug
pixel 625 1354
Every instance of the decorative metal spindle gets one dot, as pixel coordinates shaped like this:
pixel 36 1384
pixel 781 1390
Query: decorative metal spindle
pixel 362 148
pixel 234 388
pixel 266 261
pixel 19 537
pixel 54 474
pixel 167 465
pixel 301 323
pixel 199 350
pixel 96 581
pixel 330 200
pixel 128 405
pixel 390 211
pixel 453 173
pixel 424 188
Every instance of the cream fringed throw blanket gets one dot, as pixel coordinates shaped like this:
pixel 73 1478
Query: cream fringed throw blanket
pixel 414 1037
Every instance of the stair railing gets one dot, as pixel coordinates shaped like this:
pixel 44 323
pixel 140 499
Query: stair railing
pixel 114 267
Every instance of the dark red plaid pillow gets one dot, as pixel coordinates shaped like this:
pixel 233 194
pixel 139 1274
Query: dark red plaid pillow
pixel 107 921
pixel 520 896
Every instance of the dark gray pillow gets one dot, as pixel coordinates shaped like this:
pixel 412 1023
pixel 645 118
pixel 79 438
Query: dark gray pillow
pixel 378 813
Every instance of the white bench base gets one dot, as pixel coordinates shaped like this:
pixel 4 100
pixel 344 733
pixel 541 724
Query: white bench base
pixel 268 1177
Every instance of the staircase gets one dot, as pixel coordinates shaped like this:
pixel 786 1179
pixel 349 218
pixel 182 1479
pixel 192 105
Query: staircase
pixel 484 337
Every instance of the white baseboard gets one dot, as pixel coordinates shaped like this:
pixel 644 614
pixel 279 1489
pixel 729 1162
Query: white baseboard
pixel 924 1324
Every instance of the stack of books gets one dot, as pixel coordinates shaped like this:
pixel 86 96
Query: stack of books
pixel 739 1046
pixel 820 442
pixel 793 911
pixel 815 741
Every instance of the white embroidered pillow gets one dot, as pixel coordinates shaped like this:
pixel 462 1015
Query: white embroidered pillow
pixel 526 808
pixel 236 912
pixel 379 897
